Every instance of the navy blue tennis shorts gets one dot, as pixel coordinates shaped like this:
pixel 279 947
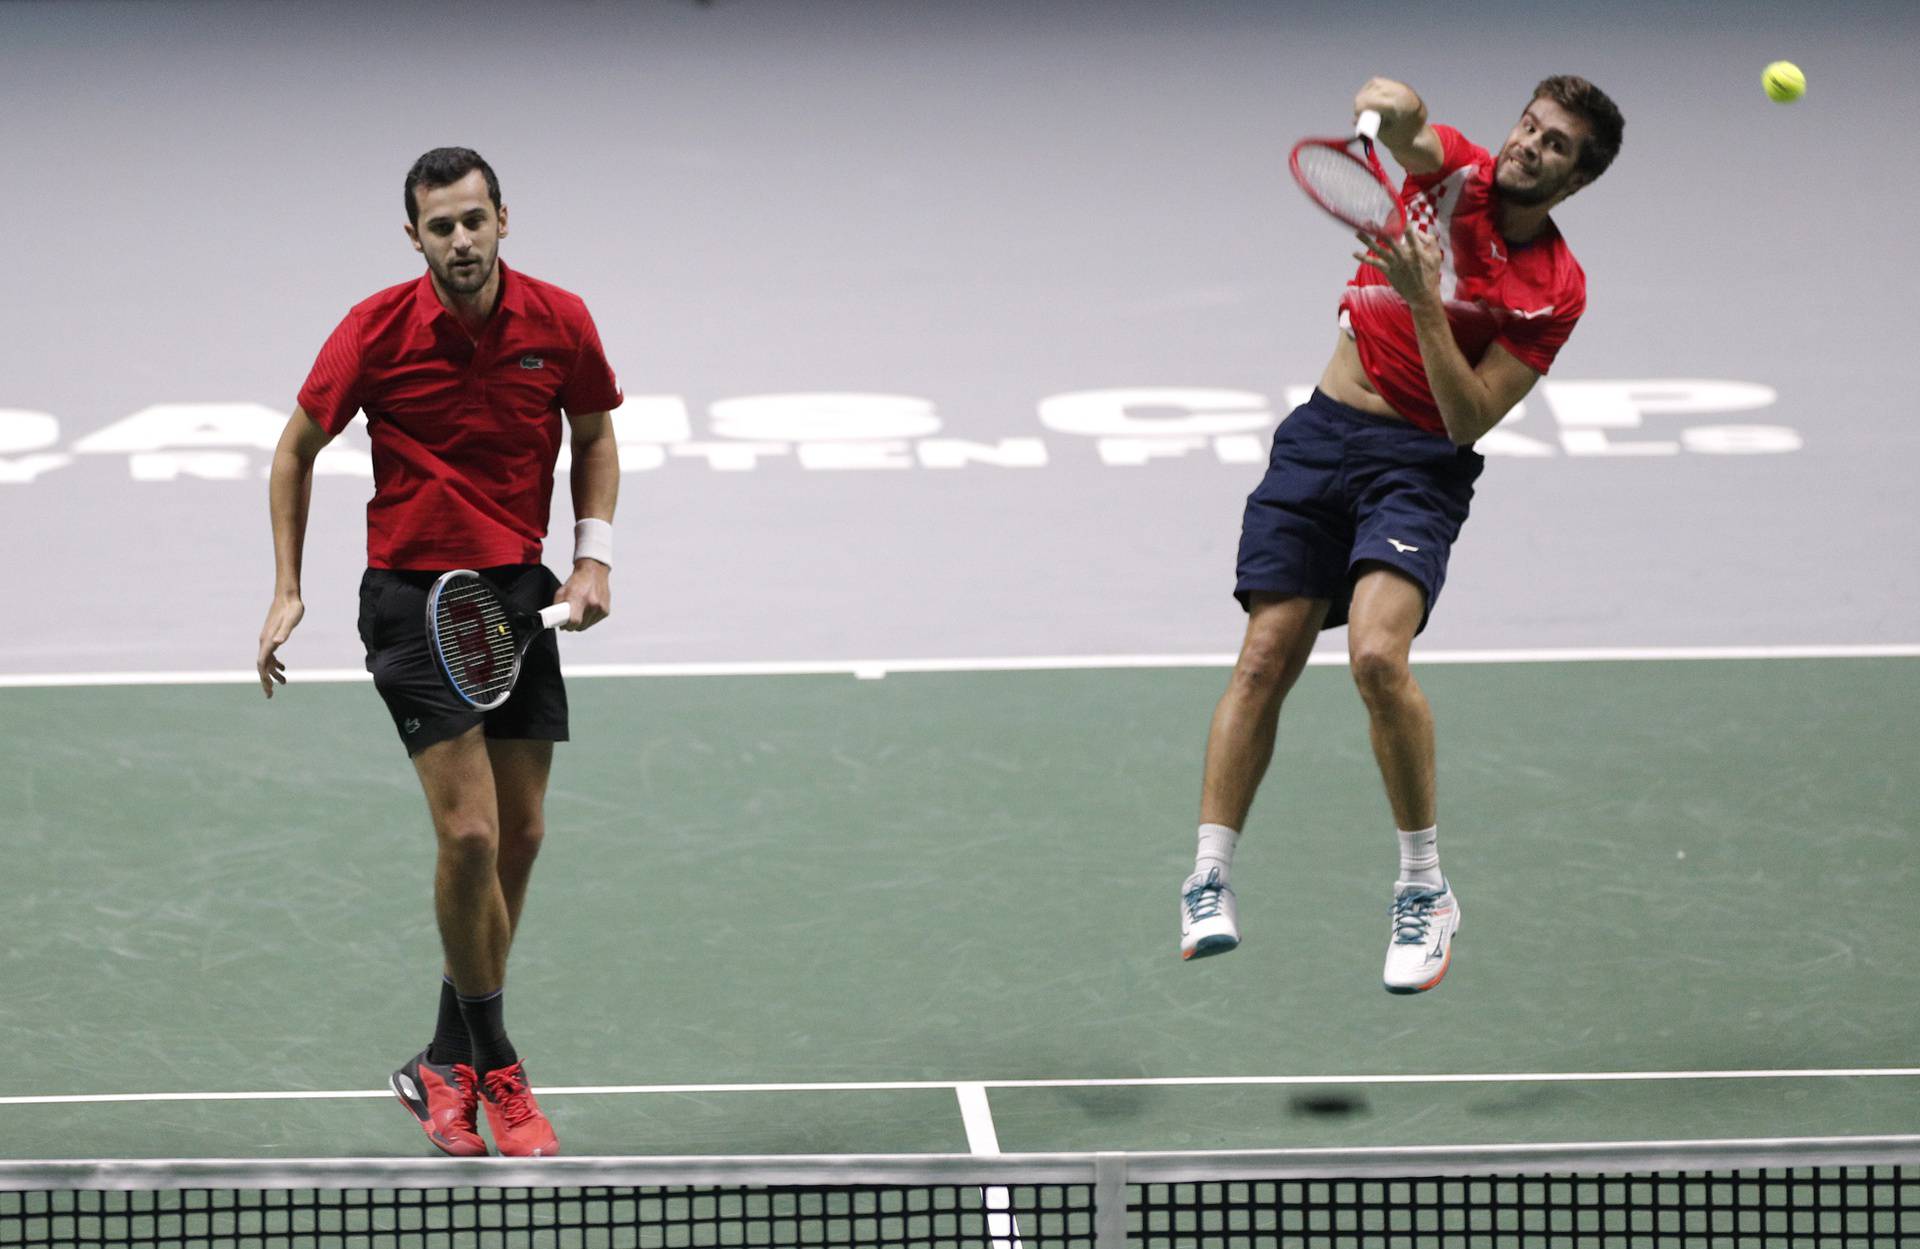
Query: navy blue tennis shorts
pixel 1345 488
pixel 393 627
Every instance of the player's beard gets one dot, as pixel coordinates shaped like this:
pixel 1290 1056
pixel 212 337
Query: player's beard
pixel 1528 196
pixel 468 279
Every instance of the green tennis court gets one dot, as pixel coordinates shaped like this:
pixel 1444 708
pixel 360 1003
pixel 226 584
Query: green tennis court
pixel 1688 891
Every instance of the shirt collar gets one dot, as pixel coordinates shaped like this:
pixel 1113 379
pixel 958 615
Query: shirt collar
pixel 427 306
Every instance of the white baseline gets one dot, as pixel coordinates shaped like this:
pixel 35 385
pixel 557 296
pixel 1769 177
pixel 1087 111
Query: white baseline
pixel 869 669
pixel 973 1091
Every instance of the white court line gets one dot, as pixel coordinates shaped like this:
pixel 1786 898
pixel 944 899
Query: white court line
pixel 978 1117
pixel 885 1086
pixel 984 1142
pixel 871 669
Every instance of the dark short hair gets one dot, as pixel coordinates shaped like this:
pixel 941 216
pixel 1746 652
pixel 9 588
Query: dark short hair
pixel 444 166
pixel 1602 115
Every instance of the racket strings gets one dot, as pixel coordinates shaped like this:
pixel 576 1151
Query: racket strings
pixel 1345 186
pixel 476 639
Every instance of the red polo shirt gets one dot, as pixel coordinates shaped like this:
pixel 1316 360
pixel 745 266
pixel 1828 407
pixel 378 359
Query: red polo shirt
pixel 1524 296
pixel 465 431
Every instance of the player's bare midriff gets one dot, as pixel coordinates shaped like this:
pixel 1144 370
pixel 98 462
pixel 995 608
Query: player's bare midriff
pixel 1344 381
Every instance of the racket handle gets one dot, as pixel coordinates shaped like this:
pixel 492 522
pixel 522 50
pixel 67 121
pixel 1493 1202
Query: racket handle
pixel 1367 125
pixel 555 615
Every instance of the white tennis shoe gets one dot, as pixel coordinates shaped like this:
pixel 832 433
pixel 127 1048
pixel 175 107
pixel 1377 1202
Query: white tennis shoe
pixel 1209 922
pixel 1420 946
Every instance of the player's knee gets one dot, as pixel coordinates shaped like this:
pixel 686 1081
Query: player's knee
pixel 1260 673
pixel 470 840
pixel 522 840
pixel 1380 669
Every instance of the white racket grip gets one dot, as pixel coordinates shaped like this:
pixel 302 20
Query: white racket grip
pixel 555 615
pixel 1367 125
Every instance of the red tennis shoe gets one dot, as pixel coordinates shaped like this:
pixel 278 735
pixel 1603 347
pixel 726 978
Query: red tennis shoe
pixel 445 1100
pixel 514 1118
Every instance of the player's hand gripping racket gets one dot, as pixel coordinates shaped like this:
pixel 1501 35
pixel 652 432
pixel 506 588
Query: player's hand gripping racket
pixel 477 640
pixel 1351 186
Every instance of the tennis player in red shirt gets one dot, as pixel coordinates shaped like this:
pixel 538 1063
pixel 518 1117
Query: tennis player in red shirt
pixel 1443 331
pixel 464 374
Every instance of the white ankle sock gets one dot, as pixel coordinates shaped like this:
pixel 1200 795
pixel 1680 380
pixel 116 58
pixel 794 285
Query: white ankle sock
pixel 1216 849
pixel 1420 857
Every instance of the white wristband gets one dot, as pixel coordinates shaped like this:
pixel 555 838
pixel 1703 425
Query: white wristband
pixel 593 539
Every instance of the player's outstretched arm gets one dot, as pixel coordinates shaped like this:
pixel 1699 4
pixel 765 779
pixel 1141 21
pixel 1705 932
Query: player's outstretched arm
pixel 289 490
pixel 596 488
pixel 1404 130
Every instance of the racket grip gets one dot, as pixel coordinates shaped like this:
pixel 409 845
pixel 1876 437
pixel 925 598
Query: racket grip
pixel 554 615
pixel 1367 125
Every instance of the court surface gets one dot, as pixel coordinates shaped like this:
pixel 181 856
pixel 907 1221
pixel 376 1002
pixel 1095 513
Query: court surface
pixel 953 335
pixel 871 894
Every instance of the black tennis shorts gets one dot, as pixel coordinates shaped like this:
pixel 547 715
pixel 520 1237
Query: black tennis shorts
pixel 393 627
pixel 1343 488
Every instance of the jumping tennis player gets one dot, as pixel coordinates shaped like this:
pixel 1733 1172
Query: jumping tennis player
pixel 464 374
pixel 1442 332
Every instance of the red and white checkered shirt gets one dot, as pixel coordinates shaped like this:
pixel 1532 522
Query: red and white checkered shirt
pixel 1524 296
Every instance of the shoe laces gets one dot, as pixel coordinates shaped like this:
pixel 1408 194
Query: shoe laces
pixel 507 1088
pixel 1413 914
pixel 1203 900
pixel 468 1083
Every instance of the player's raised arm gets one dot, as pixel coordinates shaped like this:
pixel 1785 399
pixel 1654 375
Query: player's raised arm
pixel 1404 130
pixel 289 490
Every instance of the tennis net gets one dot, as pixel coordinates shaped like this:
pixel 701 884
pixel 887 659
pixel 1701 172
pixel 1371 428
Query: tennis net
pixel 1860 1191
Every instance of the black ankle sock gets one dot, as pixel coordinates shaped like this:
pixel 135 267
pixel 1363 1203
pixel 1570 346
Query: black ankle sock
pixel 450 1041
pixel 486 1024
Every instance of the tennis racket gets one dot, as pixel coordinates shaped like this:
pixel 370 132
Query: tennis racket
pixel 1350 186
pixel 478 641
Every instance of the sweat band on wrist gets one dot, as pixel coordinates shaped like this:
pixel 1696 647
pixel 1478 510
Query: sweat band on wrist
pixel 593 539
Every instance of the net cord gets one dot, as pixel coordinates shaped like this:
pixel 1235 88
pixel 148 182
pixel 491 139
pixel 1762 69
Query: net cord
pixel 1102 1169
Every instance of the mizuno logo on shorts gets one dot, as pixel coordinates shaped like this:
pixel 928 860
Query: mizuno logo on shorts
pixel 1401 547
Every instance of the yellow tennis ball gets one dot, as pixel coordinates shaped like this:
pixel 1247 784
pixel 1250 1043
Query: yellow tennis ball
pixel 1784 82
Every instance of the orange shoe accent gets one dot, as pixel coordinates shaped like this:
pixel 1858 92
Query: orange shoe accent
pixel 1444 964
